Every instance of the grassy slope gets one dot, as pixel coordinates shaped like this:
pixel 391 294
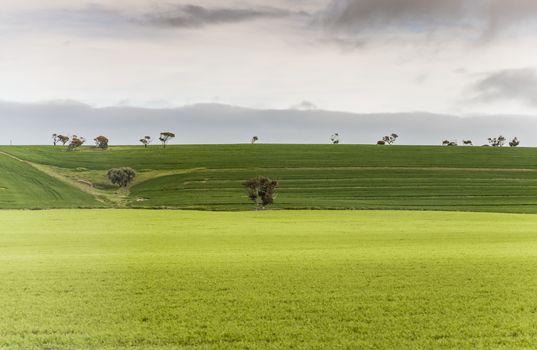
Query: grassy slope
pixel 23 187
pixel 315 176
pixel 271 280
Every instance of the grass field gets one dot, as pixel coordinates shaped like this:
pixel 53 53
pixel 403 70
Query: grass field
pixel 24 187
pixel 311 176
pixel 124 279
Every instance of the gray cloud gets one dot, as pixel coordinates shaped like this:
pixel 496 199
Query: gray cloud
pixel 484 18
pixel 194 16
pixel 507 85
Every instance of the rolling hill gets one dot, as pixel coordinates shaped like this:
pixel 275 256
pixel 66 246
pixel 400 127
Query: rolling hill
pixel 209 177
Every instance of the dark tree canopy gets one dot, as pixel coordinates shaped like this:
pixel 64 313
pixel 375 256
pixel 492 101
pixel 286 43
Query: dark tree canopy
pixel 514 143
pixel 146 140
pixel 389 140
pixel 497 141
pixel 121 177
pixel 335 139
pixel 165 137
pixel 57 138
pixel 101 142
pixel 254 140
pixel 261 190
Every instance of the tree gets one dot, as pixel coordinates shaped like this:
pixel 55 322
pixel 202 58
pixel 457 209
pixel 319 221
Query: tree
pixel 514 142
pixel 261 190
pixel 121 176
pixel 63 139
pixel 254 140
pixel 101 142
pixel 468 142
pixel 449 143
pixel 381 143
pixel 55 139
pixel 76 142
pixel 497 141
pixel 390 139
pixel 335 139
pixel 165 137
pixel 146 141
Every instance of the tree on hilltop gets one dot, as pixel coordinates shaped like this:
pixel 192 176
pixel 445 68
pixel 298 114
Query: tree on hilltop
pixel 165 137
pixel 335 139
pixel 514 143
pixel 388 140
pixel 146 141
pixel 76 142
pixel 497 141
pixel 101 142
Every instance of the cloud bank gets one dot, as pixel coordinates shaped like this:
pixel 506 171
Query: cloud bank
pixel 483 18
pixel 215 124
pixel 519 85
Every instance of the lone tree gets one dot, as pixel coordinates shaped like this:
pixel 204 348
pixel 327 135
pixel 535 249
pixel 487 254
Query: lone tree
pixel 514 143
pixel 335 139
pixel 497 141
pixel 389 140
pixel 146 141
pixel 165 137
pixel 254 140
pixel 261 190
pixel 76 142
pixel 101 142
pixel 121 176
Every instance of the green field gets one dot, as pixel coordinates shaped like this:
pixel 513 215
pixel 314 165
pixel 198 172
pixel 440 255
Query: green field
pixel 118 279
pixel 311 177
pixel 24 187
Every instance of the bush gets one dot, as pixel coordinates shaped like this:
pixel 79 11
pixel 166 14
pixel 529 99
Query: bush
pixel 261 190
pixel 121 176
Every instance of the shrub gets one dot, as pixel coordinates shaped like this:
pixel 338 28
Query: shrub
pixel 261 190
pixel 121 176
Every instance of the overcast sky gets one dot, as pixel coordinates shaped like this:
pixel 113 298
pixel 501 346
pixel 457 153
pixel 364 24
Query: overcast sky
pixel 459 57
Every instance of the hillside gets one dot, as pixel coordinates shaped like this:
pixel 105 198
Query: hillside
pixel 311 177
pixel 25 187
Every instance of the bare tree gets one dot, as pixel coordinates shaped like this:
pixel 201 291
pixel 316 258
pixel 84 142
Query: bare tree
pixel 165 137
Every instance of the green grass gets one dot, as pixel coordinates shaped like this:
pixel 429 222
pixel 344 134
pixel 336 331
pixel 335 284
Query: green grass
pixel 24 187
pixel 122 279
pixel 311 176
